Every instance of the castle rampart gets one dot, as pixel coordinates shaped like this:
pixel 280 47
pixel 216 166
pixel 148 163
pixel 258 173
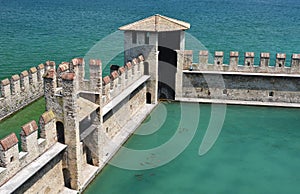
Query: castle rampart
pixel 89 112
pixel 13 161
pixel 264 65
pixel 21 90
pixel 261 84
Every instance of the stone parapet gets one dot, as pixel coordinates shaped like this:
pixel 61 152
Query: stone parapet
pixel 20 90
pixel 12 160
pixel 280 65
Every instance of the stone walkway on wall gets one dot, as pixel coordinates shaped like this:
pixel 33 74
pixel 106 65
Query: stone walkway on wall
pixel 114 145
pixel 32 169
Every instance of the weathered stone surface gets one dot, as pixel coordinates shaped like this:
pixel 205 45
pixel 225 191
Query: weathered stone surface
pixel 50 74
pixel 280 55
pixel 242 87
pixel 95 62
pixel 265 55
pixel 141 58
pixel 68 76
pixel 203 53
pixel 48 116
pixel 8 142
pixel 114 75
pixel 249 54
pixel 128 65
pixel 5 82
pixel 219 53
pixel 135 61
pixel 15 77
pixel 106 80
pixel 296 56
pixel 63 66
pixel 121 70
pixel 29 128
pixel 24 73
pixel 234 54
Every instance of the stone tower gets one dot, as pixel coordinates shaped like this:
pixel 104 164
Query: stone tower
pixel 157 38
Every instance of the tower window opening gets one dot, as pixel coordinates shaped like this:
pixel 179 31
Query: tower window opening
pixel 148 98
pixel 134 37
pixel 147 37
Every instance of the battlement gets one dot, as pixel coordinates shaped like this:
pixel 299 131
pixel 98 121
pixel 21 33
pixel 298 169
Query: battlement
pixel 268 82
pixel 20 90
pixel 265 64
pixel 105 88
pixel 11 160
pixel 120 79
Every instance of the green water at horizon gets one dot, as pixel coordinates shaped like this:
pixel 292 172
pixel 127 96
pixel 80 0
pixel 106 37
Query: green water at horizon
pixel 256 152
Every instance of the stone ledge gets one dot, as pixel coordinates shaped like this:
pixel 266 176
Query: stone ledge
pixel 22 155
pixel 239 102
pixel 41 140
pixel 127 130
pixel 241 73
pixel 115 101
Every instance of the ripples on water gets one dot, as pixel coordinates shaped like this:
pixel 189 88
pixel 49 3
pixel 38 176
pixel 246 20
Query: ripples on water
pixel 33 31
pixel 249 157
pixel 256 152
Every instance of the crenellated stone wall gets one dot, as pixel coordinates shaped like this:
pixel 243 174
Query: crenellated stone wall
pixel 12 161
pixel 21 90
pixel 260 83
pixel 265 64
pixel 114 120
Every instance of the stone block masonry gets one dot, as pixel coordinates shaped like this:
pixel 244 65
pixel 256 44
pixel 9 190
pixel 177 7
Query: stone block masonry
pixel 12 161
pixel 21 90
pixel 82 114
pixel 260 83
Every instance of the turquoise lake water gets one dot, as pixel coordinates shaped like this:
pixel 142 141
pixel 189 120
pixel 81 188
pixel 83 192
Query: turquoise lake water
pixel 257 150
pixel 33 31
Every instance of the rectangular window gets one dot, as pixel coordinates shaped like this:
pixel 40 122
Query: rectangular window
pixel 134 37
pixel 147 36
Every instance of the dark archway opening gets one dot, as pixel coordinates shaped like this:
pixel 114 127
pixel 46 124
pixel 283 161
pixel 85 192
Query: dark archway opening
pixel 168 43
pixel 148 98
pixel 67 178
pixel 165 91
pixel 88 154
pixel 60 132
pixel 167 67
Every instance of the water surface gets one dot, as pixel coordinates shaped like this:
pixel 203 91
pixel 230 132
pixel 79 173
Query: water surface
pixel 256 152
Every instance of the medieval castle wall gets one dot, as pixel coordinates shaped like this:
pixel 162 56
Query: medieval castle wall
pixel 13 160
pixel 67 93
pixel 146 43
pixel 261 82
pixel 20 90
